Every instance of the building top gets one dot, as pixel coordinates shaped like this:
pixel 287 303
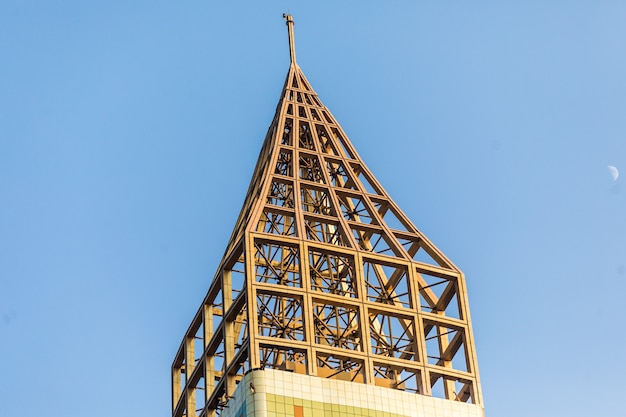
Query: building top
pixel 326 277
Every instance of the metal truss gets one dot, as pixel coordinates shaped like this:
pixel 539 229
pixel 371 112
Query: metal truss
pixel 324 275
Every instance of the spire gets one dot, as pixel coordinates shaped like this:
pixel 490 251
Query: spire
pixel 325 276
pixel 292 43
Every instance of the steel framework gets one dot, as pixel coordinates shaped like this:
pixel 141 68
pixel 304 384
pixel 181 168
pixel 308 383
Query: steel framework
pixel 324 275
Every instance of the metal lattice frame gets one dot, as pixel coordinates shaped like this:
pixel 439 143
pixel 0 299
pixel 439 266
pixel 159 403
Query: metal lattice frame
pixel 324 275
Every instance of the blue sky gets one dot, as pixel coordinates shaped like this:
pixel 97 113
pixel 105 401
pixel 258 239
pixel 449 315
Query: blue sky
pixel 128 135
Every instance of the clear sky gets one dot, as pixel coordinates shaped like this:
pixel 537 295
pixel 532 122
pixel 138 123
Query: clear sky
pixel 128 135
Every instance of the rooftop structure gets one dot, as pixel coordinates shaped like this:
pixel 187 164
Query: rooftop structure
pixel 328 301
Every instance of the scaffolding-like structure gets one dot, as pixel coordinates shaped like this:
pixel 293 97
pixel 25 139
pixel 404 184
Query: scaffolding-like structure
pixel 325 276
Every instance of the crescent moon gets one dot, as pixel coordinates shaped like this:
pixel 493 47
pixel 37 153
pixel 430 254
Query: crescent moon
pixel 614 172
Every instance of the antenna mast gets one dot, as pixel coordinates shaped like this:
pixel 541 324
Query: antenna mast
pixel 292 43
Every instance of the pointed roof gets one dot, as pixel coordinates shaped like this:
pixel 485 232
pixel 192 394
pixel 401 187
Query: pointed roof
pixel 325 276
pixel 307 158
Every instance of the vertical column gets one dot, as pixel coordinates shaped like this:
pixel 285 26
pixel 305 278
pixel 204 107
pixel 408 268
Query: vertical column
pixel 209 372
pixel 190 395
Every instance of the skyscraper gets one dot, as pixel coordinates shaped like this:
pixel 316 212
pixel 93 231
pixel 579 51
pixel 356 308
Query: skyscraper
pixel 328 301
